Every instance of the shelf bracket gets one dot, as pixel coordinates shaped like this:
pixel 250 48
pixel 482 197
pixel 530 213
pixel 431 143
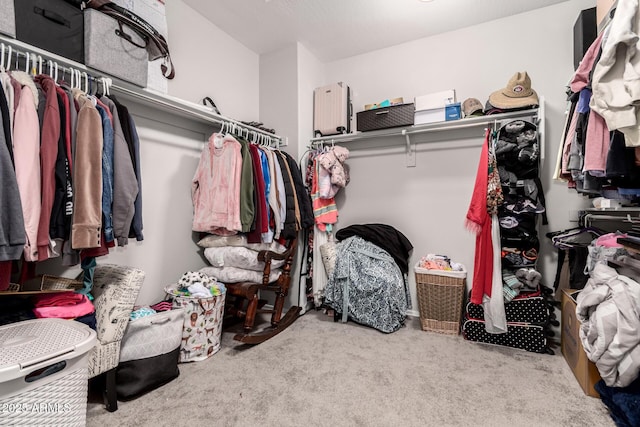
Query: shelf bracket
pixel 411 150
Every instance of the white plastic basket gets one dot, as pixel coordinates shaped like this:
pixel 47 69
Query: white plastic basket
pixel 43 372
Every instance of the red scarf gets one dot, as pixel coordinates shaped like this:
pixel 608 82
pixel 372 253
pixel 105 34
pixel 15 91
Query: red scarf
pixel 478 221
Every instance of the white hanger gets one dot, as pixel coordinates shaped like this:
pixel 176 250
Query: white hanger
pixel 39 64
pixel 27 63
pixel 9 58
pixel 2 58
pixel 86 82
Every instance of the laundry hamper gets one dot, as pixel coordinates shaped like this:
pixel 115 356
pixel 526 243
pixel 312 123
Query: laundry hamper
pixel 202 328
pixel 43 372
pixel 440 299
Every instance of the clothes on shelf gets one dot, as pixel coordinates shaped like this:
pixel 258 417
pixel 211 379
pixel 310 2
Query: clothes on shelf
pixel 70 170
pixel 599 145
pixel 503 212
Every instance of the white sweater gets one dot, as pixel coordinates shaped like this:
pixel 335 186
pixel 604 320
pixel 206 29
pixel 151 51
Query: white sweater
pixel 616 76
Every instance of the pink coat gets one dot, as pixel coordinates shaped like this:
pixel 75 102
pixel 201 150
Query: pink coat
pixel 215 188
pixel 26 151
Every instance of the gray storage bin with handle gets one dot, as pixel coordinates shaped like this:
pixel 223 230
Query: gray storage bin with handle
pixel 149 353
pixel 7 18
pixel 114 49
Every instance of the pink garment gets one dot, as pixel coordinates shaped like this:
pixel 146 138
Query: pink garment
pixel 596 145
pixel 26 151
pixel 63 305
pixel 610 240
pixel 325 210
pixel 581 77
pixel 215 188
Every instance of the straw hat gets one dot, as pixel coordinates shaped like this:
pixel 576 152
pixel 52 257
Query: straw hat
pixel 517 94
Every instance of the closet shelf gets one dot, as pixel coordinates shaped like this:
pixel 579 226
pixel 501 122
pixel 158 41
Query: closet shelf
pixel 433 127
pixel 184 109
pixel 536 115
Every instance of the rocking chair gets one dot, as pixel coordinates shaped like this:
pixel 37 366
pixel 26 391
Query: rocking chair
pixel 243 302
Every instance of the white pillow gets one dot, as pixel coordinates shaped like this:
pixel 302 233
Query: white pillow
pixel 214 241
pixel 237 256
pixel 235 275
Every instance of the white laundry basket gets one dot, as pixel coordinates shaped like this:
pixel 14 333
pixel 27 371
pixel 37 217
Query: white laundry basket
pixel 43 372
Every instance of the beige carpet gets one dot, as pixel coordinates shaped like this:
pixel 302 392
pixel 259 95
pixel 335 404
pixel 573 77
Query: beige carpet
pixel 321 373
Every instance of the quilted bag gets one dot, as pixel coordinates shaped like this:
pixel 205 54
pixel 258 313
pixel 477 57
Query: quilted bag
pixel 149 353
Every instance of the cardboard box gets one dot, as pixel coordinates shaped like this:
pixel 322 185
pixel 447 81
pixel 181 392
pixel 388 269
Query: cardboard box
pixel 585 371
pixel 435 100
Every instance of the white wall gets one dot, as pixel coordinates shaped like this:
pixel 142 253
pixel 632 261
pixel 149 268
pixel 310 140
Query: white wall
pixel 279 94
pixel 210 63
pixel 428 203
pixel 311 74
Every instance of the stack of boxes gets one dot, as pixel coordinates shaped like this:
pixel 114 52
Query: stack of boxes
pixel 437 107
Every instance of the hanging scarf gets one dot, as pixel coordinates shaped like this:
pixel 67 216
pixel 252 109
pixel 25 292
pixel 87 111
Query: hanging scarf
pixel 478 221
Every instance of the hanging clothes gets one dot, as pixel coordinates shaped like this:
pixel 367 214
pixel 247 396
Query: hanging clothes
pixel 87 176
pixel 26 141
pixel 12 236
pixel 215 188
pixel 49 138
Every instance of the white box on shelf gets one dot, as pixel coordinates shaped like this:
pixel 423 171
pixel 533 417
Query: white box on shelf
pixel 429 116
pixel 435 100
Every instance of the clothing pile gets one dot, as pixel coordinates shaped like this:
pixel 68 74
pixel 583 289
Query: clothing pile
pixel 196 284
pixel 600 140
pixel 439 262
pixel 369 284
pixel 70 172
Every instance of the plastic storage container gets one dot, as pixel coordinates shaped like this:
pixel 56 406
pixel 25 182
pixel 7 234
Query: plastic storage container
pixel 440 299
pixel 43 372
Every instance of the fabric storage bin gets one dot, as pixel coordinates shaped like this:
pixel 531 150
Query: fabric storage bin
pixel 149 353
pixel 118 51
pixel 7 18
pixel 440 298
pixel 202 325
pixel 383 118
pixel 53 25
pixel 43 372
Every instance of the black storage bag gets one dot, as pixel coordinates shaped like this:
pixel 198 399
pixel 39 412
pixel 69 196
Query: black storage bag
pixel 53 25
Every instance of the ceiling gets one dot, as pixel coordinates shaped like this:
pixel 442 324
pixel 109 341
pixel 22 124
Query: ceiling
pixel 336 29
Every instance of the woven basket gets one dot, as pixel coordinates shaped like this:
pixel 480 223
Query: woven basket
pixel 440 297
pixel 59 283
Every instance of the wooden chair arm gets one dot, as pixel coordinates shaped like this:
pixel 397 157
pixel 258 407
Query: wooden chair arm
pixel 266 256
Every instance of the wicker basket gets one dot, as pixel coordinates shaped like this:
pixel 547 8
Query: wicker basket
pixel 440 297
